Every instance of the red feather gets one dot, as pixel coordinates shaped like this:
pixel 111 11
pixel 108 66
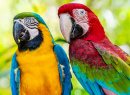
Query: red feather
pixel 85 51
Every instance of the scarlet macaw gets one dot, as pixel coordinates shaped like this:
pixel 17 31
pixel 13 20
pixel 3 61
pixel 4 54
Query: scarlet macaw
pixel 100 67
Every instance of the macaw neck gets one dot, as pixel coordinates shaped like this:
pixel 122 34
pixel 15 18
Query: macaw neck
pixel 95 33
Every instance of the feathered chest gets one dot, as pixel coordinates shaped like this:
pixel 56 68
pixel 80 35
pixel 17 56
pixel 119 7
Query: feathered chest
pixel 39 73
pixel 80 50
pixel 32 61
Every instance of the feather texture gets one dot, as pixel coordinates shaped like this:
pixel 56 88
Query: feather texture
pixel 100 64
pixel 14 79
pixel 63 60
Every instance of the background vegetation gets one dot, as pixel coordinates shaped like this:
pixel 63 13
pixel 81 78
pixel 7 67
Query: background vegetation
pixel 113 14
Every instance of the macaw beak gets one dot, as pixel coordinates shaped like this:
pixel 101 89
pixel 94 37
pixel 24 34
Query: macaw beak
pixel 69 28
pixel 20 33
pixel 65 26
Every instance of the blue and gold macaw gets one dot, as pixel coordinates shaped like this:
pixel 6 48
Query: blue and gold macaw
pixel 39 66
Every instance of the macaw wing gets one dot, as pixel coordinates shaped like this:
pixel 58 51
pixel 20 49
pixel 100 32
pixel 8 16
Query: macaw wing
pixel 14 76
pixel 83 57
pixel 96 66
pixel 63 60
pixel 122 54
pixel 119 71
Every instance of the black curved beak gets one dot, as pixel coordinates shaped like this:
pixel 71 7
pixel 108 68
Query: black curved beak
pixel 20 33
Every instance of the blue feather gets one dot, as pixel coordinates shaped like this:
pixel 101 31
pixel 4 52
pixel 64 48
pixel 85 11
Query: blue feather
pixel 82 82
pixel 63 60
pixel 91 87
pixel 14 86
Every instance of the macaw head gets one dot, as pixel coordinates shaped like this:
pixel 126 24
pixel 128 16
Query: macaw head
pixel 26 31
pixel 77 20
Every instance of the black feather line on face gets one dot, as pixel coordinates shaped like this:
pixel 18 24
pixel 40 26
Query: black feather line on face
pixel 32 24
pixel 32 27
pixel 32 44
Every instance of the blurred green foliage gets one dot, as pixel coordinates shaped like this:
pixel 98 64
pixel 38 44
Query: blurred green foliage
pixel 114 15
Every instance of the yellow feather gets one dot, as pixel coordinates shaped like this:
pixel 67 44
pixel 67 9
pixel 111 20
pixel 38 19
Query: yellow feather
pixel 39 68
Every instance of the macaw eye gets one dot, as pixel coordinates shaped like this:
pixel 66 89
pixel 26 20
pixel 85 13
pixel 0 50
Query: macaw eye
pixel 20 20
pixel 81 12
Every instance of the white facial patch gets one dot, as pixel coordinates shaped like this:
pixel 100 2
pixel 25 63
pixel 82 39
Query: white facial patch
pixel 81 18
pixel 30 26
pixel 33 33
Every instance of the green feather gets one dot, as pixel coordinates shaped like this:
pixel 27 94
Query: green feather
pixel 30 14
pixel 117 88
pixel 99 75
